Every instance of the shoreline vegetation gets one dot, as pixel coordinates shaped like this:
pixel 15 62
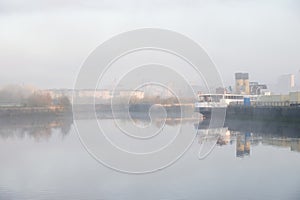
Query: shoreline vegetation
pixel 24 100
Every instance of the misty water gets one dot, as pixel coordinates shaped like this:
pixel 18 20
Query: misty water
pixel 43 158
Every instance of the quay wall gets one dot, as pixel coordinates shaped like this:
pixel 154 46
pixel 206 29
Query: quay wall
pixel 277 113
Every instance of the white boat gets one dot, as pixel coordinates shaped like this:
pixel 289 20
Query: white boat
pixel 207 102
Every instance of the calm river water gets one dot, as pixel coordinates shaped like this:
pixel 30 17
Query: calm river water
pixel 44 159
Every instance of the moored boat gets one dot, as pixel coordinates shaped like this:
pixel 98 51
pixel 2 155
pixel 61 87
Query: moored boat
pixel 209 102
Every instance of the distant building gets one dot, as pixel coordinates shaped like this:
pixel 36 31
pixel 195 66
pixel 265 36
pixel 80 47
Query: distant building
pixel 221 90
pixel 138 94
pixel 285 84
pixel 57 93
pixel 297 80
pixel 242 83
pixel 87 96
pixel 281 99
pixel 256 88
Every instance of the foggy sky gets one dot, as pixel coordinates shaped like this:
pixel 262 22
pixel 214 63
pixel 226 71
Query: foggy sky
pixel 44 43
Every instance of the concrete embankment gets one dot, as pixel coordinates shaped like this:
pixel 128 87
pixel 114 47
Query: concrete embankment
pixel 268 113
pixel 275 128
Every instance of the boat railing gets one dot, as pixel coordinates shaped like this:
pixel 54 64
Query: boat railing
pixel 268 104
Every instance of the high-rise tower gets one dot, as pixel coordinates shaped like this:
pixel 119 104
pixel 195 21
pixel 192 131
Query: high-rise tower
pixel 242 83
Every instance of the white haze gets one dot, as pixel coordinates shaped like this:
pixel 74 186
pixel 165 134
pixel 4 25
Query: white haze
pixel 43 43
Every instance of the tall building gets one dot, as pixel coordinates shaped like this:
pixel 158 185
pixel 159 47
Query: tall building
pixel 297 80
pixel 285 83
pixel 242 83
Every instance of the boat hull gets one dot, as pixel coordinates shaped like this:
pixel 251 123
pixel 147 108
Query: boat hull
pixel 207 111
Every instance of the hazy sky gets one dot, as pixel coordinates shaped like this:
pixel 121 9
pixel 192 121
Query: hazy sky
pixel 44 43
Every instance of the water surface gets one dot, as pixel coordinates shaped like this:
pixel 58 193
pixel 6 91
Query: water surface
pixel 46 160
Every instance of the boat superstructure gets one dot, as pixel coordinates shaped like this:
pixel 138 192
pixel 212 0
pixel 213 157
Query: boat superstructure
pixel 207 102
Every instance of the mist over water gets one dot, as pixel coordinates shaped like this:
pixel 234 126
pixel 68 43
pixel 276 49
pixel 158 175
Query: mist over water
pixel 149 100
pixel 47 161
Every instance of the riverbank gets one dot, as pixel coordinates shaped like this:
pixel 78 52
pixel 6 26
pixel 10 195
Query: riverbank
pixel 26 111
pixel 100 109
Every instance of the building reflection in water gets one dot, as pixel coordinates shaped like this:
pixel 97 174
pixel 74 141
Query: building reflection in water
pixel 41 127
pixel 243 144
pixel 245 140
pixel 292 143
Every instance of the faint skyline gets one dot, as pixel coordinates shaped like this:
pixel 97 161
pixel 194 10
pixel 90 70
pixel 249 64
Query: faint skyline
pixel 44 43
